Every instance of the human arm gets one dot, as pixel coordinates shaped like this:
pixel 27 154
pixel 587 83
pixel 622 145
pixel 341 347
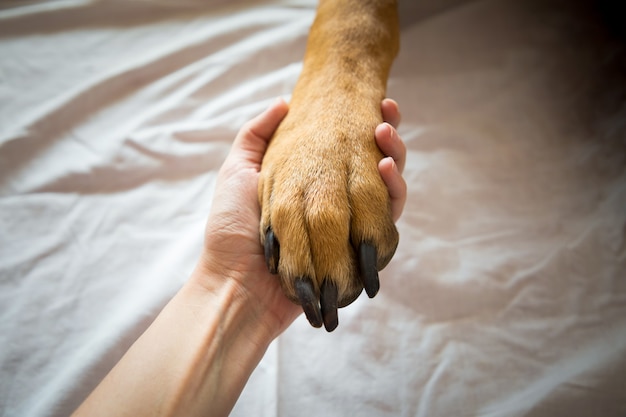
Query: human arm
pixel 199 352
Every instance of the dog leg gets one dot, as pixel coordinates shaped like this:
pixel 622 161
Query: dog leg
pixel 326 222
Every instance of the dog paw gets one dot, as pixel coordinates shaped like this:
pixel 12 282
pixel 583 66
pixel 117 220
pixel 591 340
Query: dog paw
pixel 326 222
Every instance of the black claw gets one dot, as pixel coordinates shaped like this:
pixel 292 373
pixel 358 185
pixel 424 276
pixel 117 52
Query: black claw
pixel 308 300
pixel 369 272
pixel 328 300
pixel 272 251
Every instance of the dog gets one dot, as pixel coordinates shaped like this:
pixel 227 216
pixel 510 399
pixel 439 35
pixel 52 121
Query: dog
pixel 326 223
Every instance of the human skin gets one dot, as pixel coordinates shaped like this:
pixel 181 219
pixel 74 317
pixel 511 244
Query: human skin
pixel 197 355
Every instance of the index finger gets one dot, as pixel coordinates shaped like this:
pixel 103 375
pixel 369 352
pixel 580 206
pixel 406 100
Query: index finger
pixel 391 112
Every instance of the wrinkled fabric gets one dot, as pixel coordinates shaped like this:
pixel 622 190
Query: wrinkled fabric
pixel 507 295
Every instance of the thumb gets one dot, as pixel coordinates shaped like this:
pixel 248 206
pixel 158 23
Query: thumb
pixel 252 140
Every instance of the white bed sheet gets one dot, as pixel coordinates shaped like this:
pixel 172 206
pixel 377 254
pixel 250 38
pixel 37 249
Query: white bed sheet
pixel 506 297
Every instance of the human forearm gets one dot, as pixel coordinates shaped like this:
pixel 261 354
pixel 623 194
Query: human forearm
pixel 197 355
pixel 194 359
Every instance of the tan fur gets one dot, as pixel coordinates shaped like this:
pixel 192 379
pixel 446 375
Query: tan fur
pixel 320 189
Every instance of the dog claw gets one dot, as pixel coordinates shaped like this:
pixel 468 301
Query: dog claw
pixel 329 304
pixel 369 272
pixel 272 251
pixel 308 300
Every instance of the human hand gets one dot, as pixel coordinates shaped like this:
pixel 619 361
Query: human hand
pixel 232 250
pixel 200 350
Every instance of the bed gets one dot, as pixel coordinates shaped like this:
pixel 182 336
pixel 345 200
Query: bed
pixel 507 294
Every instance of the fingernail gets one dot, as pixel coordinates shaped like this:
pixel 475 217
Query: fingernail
pixel 393 132
pixel 388 131
pixel 276 102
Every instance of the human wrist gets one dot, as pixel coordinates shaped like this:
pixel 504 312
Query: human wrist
pixel 220 340
pixel 232 290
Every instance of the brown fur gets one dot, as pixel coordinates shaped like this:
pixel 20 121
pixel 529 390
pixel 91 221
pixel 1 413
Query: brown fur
pixel 320 189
